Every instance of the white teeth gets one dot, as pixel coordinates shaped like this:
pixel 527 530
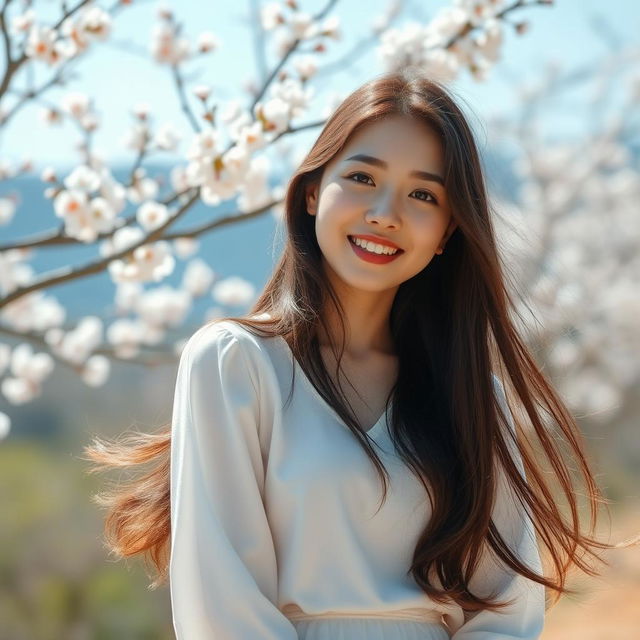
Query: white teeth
pixel 372 247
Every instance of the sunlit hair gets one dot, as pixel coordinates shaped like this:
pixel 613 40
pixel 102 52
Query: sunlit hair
pixel 452 328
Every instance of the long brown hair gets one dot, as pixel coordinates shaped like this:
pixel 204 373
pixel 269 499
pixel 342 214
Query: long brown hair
pixel 452 329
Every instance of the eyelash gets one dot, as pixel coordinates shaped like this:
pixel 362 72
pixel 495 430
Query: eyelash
pixel 359 173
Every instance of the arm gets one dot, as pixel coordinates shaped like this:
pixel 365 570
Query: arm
pixel 222 571
pixel 525 618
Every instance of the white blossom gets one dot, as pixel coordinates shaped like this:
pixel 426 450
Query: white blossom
pixel 125 336
pixel 7 210
pixel 207 41
pixel 28 370
pixel 83 178
pixel 94 23
pixel 127 296
pixel 203 144
pixel 22 23
pixel 236 126
pixel 233 291
pixel 136 136
pixel 231 111
pixel 76 38
pixel 489 40
pixel 443 65
pixel 84 219
pixel 178 179
pixel 331 27
pixel 18 390
pixel 26 364
pixel 6 171
pixel 276 113
pixel 141 110
pixel 219 178
pixel 478 11
pixel 306 66
pixel 255 192
pixel 142 189
pixel 112 191
pixel 50 117
pixel 165 47
pixel 251 137
pixel 164 307
pixel 186 247
pixel 202 91
pixel 166 137
pixel 121 239
pixel 301 25
pixel 76 104
pixel 402 47
pixel 447 23
pixel 150 262
pixel 292 92
pixel 96 370
pixel 48 174
pixel 42 45
pixel 34 311
pixel 198 277
pixel 70 203
pixel 77 344
pixel 89 122
pixel 283 41
pixel 152 215
pixel 271 15
pixel 101 216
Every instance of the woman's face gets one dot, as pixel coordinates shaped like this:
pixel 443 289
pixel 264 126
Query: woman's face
pixel 385 183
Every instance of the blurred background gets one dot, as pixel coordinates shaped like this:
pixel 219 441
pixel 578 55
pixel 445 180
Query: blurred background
pixel 110 108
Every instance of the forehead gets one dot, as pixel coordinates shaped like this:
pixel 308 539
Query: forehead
pixel 397 139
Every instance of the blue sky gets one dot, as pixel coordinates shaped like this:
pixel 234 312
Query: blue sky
pixel 118 78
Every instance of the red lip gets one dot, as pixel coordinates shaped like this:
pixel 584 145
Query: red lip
pixel 377 239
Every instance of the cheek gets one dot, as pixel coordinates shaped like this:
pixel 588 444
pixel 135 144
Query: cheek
pixel 426 230
pixel 336 200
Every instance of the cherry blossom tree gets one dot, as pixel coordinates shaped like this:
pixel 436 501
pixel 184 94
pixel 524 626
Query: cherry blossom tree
pixel 131 222
pixel 574 235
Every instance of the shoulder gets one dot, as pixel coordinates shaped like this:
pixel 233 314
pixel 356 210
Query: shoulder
pixel 223 345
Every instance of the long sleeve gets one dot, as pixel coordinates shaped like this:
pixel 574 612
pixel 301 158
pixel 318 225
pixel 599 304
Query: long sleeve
pixel 525 618
pixel 223 569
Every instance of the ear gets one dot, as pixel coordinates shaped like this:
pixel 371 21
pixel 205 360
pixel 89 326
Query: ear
pixel 447 234
pixel 311 198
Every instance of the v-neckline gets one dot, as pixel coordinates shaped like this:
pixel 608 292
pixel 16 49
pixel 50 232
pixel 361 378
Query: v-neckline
pixel 327 407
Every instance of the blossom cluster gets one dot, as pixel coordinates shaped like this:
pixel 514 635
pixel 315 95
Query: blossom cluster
pixel 76 33
pixel 467 34
pixel 222 172
pixel 168 47
pixel 290 25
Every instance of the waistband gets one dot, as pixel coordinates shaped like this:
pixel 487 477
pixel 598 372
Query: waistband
pixel 294 612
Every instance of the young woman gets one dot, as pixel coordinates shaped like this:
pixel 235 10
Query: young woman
pixel 391 493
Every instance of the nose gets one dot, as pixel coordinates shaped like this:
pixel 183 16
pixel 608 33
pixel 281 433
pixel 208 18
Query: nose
pixel 384 211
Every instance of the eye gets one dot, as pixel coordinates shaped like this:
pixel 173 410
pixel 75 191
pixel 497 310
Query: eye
pixel 352 176
pixel 428 195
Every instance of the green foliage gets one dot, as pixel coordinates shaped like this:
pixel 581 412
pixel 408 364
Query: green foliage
pixel 56 577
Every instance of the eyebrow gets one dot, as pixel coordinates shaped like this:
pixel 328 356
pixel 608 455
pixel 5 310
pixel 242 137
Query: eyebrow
pixel 425 175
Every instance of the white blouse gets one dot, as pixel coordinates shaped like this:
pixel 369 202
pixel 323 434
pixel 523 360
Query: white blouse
pixel 274 530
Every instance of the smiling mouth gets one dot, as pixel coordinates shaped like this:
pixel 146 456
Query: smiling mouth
pixel 371 256
pixel 397 252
